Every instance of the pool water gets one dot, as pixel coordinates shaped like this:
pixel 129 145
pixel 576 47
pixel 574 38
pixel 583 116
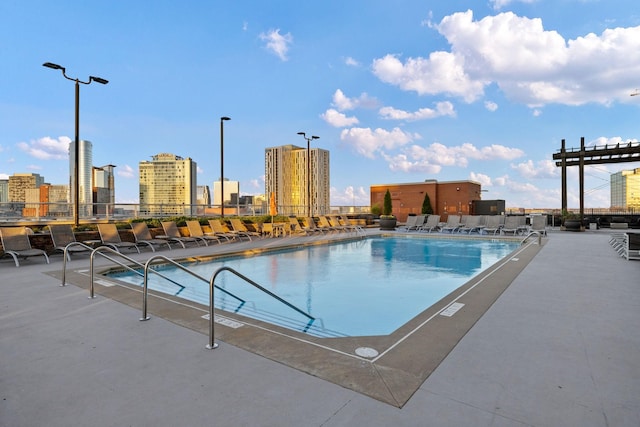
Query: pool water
pixel 358 288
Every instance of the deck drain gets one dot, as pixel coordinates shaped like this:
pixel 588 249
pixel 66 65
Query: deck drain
pixel 367 352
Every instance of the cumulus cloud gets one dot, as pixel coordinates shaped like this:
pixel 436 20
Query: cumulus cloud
pixel 484 180
pixel 47 148
pixel 442 109
pixel 491 106
pixel 338 119
pixel 531 65
pixel 277 43
pixel 368 143
pixel 344 103
pixel 431 159
pixel 126 171
pixel 350 196
pixel 541 169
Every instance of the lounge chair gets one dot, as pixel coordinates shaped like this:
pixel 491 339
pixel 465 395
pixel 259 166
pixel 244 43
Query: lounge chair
pixel 195 231
pixel 494 224
pixel 143 236
pixel 172 234
pixel 296 228
pixel 431 224
pixel 218 228
pixel 324 224
pixel 413 223
pixel 511 225
pixel 632 246
pixel 15 242
pixel 65 241
pixel 453 223
pixel 348 223
pixel 241 229
pixel 539 224
pixel 471 224
pixel 335 223
pixel 310 224
pixel 111 238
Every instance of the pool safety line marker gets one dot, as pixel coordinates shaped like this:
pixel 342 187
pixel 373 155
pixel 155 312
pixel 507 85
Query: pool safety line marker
pixel 452 309
pixel 224 321
pixel 105 283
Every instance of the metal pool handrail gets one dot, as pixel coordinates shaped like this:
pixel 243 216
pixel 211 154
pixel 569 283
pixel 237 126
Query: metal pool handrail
pixel 211 344
pixel 65 255
pixel 533 233
pixel 115 252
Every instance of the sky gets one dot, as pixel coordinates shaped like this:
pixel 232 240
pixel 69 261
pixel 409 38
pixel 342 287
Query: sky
pixel 398 91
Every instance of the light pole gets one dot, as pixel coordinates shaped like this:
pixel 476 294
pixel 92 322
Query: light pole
pixel 309 139
pixel 76 172
pixel 222 120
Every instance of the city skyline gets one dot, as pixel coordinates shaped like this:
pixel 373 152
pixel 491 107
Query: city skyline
pixel 431 90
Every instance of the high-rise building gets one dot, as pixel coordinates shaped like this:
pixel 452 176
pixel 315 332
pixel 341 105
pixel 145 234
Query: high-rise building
pixel 625 189
pixel 167 185
pixel 4 190
pixel 231 192
pixel 20 182
pixel 85 174
pixel 103 190
pixel 299 187
pixel 46 201
pixel 203 199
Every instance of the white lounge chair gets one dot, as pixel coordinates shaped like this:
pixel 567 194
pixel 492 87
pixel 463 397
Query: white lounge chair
pixel 453 223
pixel 431 224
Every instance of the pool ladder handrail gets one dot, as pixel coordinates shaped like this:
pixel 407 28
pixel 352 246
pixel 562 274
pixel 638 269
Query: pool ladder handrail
pixel 533 233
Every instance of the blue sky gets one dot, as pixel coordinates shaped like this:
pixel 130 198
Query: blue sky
pixel 398 91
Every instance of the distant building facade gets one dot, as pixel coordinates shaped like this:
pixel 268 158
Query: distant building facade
pixel 4 190
pixel 452 197
pixel 103 189
pixel 625 189
pixel 299 187
pixel 85 174
pixel 168 185
pixel 20 182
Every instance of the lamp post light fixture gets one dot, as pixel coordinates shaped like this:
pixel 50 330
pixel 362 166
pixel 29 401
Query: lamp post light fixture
pixel 222 120
pixel 309 139
pixel 76 172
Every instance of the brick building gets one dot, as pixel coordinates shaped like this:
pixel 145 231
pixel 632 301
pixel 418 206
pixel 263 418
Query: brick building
pixel 451 197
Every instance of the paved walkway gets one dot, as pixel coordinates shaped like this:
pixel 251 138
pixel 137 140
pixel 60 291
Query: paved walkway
pixel 560 347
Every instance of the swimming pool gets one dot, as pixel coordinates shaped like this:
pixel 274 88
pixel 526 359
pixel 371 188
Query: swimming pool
pixel 357 288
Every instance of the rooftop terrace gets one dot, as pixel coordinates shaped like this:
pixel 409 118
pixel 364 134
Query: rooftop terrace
pixel 560 346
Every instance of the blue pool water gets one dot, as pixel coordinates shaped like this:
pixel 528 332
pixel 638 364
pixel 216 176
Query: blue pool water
pixel 364 287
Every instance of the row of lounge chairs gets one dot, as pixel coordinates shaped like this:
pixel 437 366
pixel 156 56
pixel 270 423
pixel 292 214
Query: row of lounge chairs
pixel 626 244
pixel 325 224
pixel 481 224
pixel 15 240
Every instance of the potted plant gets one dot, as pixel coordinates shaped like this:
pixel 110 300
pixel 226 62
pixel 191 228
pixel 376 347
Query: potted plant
pixel 387 219
pixel 571 221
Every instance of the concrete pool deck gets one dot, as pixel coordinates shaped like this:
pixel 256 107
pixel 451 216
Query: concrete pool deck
pixel 560 346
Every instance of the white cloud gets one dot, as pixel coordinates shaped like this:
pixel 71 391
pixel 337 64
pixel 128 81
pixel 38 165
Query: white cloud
pixel 126 171
pixel 344 103
pixel 442 109
pixel 491 106
pixel 277 43
pixel 442 72
pixel 34 167
pixel 47 148
pixel 350 196
pixel 4 176
pixel 367 142
pixel 542 169
pixel 338 119
pixel 531 65
pixel 484 180
pixel 351 62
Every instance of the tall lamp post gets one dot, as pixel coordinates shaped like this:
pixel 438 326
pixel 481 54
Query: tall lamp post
pixel 222 120
pixel 76 171
pixel 309 139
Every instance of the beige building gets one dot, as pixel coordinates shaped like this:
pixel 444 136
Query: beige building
pixel 168 185
pixel 20 182
pixel 300 188
pixel 625 189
